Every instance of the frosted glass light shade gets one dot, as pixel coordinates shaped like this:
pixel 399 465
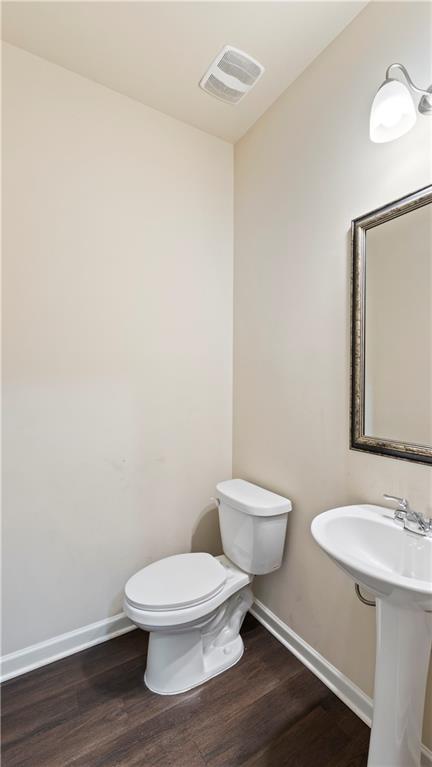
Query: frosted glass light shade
pixel 393 112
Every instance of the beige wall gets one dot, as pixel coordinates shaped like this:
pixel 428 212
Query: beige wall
pixel 117 343
pixel 302 173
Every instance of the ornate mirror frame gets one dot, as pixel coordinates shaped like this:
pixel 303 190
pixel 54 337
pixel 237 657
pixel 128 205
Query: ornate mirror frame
pixel 359 440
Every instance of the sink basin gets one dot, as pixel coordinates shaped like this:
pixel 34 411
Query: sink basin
pixel 378 553
pixel 396 566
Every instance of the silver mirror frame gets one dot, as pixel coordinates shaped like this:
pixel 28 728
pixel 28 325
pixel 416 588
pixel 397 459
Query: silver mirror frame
pixel 358 439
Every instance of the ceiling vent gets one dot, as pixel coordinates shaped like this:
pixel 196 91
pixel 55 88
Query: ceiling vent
pixel 231 75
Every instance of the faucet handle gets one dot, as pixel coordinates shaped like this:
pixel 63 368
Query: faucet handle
pixel 403 506
pixel 414 521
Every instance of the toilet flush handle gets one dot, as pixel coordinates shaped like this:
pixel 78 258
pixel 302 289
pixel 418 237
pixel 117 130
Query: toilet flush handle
pixel 216 501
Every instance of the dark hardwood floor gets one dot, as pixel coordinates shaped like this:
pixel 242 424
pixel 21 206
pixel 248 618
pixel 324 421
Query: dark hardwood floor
pixel 93 710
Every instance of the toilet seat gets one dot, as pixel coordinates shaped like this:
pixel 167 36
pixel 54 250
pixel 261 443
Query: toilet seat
pixel 181 617
pixel 177 582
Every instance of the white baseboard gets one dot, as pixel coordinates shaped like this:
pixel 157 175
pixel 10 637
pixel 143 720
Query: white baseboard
pixel 344 688
pixel 29 658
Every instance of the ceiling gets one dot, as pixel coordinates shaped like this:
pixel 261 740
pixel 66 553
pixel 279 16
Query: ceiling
pixel 156 52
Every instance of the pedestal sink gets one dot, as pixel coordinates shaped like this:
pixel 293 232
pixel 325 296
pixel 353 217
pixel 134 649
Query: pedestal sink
pixel 396 566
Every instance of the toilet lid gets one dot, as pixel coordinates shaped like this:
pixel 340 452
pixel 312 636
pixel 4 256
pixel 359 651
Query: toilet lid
pixel 179 581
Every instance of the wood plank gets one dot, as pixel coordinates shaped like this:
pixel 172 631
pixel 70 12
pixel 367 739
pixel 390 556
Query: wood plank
pixel 93 710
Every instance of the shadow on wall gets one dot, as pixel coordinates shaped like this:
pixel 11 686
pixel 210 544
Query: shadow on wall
pixel 206 534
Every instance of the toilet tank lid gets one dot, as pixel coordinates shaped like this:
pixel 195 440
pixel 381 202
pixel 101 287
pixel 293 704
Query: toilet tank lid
pixel 252 499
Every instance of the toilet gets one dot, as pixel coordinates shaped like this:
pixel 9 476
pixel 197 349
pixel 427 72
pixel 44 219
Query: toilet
pixel 193 605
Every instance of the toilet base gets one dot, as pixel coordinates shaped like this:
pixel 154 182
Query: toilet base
pixel 220 662
pixel 179 660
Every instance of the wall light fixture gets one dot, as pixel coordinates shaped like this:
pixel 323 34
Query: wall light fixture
pixel 393 110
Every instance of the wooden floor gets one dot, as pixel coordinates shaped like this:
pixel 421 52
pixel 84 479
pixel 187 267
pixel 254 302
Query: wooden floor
pixel 93 710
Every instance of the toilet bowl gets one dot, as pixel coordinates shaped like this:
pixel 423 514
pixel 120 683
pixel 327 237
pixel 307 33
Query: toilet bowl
pixel 193 636
pixel 193 605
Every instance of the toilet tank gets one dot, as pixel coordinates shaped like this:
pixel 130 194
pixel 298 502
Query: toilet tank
pixel 253 525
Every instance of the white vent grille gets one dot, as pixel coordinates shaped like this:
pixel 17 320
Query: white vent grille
pixel 231 75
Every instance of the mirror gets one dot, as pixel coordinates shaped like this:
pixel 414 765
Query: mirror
pixel 391 408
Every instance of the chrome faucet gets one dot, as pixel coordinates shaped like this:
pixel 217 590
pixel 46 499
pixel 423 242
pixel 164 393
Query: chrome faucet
pixel 414 521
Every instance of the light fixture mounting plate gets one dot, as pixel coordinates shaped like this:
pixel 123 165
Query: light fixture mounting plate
pixel 425 103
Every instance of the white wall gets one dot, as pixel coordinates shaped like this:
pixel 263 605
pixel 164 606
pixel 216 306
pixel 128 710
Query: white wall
pixel 302 173
pixel 117 342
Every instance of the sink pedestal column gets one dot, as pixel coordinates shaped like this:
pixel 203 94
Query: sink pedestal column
pixel 404 639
